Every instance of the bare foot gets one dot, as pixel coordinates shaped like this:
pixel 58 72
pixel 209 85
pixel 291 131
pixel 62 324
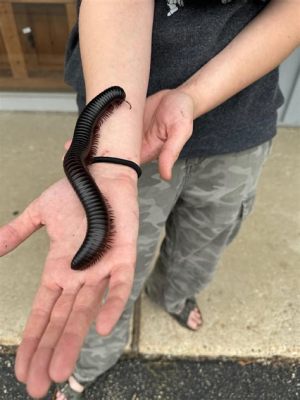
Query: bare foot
pixel 194 320
pixel 73 385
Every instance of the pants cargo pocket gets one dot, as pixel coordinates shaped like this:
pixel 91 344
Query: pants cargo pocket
pixel 246 209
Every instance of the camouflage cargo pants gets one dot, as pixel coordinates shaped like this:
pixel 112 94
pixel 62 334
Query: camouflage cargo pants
pixel 202 209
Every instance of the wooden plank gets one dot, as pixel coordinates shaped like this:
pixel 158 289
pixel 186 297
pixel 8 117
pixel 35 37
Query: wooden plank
pixel 42 34
pixel 49 37
pixel 58 30
pixel 38 1
pixel 34 84
pixel 71 14
pixel 46 59
pixel 3 55
pixel 23 19
pixel 12 41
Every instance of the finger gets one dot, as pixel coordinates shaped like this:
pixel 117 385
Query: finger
pixel 15 232
pixel 36 324
pixel 153 141
pixel 149 110
pixel 150 150
pixel 85 308
pixel 68 144
pixel 177 137
pixel 38 379
pixel 152 103
pixel 119 290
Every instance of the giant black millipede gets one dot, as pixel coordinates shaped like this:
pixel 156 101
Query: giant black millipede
pixel 84 144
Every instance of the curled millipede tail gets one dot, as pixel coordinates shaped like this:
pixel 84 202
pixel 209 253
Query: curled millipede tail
pixel 98 212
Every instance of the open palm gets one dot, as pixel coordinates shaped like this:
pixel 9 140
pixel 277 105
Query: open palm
pixel 68 301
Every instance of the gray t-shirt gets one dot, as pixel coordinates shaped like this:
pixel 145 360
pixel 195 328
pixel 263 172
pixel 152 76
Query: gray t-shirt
pixel 182 42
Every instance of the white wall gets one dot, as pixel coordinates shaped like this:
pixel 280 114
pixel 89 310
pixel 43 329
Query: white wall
pixel 289 113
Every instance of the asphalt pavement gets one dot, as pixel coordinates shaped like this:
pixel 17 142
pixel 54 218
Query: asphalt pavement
pixel 169 379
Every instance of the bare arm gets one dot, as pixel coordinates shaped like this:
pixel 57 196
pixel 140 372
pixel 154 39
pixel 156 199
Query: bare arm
pixel 115 38
pixel 115 46
pixel 260 47
pixel 265 42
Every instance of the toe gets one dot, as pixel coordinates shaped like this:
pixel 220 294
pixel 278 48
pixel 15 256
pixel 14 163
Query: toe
pixel 194 320
pixel 192 324
pixel 197 313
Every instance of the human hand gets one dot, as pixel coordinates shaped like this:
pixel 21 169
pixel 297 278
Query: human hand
pixel 168 124
pixel 67 301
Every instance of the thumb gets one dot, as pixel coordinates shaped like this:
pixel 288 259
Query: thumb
pixel 66 146
pixel 19 229
pixel 172 148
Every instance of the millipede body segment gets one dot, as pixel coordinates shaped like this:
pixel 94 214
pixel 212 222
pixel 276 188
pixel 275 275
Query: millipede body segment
pixel 78 157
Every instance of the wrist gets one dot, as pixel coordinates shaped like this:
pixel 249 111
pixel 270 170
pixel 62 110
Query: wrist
pixel 120 135
pixel 118 161
pixel 113 171
pixel 188 90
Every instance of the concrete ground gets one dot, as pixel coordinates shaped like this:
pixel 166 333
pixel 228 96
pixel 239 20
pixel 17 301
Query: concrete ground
pixel 251 309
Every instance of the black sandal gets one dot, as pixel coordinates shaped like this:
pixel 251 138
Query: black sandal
pixel 183 316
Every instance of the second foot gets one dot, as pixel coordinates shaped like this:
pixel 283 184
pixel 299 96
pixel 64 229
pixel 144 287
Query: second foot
pixel 189 316
pixel 71 390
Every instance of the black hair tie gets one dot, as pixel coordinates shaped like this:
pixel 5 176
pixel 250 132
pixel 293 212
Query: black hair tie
pixel 120 161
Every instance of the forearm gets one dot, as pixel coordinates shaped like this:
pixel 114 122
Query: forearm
pixel 264 43
pixel 115 46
